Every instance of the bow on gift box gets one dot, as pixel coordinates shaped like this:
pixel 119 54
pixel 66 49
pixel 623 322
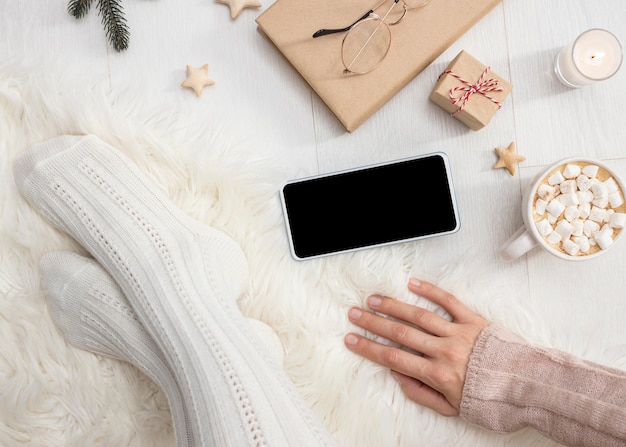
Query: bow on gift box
pixel 482 87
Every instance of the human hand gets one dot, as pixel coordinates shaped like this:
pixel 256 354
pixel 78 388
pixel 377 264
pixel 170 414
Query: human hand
pixel 435 379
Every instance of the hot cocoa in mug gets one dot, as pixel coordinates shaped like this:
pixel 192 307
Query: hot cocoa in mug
pixel 574 209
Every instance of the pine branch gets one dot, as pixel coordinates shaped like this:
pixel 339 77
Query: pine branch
pixel 112 15
pixel 114 22
pixel 79 8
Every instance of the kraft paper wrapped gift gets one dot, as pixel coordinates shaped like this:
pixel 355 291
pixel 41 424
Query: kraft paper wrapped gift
pixel 470 91
pixel 417 41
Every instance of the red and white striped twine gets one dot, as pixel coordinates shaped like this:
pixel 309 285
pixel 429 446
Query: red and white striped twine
pixel 482 87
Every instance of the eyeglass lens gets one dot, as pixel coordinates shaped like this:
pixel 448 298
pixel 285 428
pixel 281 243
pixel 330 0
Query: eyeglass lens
pixel 368 39
pixel 365 45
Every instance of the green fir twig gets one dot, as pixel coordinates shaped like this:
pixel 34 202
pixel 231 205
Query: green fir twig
pixel 79 8
pixel 113 20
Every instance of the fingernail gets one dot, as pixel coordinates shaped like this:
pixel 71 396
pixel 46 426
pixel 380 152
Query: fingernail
pixel 415 282
pixel 355 314
pixel 374 301
pixel 351 339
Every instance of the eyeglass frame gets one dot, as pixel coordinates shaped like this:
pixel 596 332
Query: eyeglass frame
pixel 368 15
pixel 324 32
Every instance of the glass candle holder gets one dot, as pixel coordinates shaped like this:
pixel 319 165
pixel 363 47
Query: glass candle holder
pixel 594 56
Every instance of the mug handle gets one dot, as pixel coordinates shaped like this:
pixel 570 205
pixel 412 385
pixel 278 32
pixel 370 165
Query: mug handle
pixel 518 244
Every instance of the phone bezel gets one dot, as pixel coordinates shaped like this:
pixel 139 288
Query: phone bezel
pixel 453 201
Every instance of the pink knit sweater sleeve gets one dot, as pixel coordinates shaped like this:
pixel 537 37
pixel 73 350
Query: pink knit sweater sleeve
pixel 511 385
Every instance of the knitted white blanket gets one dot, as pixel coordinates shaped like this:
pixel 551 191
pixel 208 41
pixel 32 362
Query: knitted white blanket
pixel 52 394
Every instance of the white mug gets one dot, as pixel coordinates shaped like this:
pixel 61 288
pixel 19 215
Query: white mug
pixel 528 236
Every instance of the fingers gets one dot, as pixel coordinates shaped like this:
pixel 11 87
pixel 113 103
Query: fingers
pixel 417 316
pixel 459 311
pixel 390 357
pixel 389 329
pixel 435 379
pixel 422 318
pixel 424 370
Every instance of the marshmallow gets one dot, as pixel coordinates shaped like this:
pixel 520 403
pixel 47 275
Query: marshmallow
pixel 597 214
pixel 615 199
pixel 604 239
pixel 556 178
pixel 555 207
pixel 590 228
pixel 599 190
pixel 540 207
pixel 546 192
pixel 564 228
pixel 577 226
pixel 590 171
pixel 570 247
pixel 578 210
pixel 584 209
pixel 606 229
pixel 583 182
pixel 571 213
pixel 618 220
pixel 554 238
pixel 582 242
pixel 601 202
pixel 544 227
pixel 569 199
pixel 571 171
pixel 611 185
pixel 568 187
pixel 584 196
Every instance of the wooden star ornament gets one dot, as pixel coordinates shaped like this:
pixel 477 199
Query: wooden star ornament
pixel 197 78
pixel 236 6
pixel 508 158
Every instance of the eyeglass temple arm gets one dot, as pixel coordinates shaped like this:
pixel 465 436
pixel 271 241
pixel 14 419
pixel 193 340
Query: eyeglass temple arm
pixel 325 32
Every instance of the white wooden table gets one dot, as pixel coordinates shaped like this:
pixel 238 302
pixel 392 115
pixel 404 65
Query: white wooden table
pixel 263 101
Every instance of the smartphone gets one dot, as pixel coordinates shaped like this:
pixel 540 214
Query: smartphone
pixel 399 201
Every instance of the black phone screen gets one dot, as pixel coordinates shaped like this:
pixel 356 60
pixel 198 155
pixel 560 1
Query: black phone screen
pixel 377 205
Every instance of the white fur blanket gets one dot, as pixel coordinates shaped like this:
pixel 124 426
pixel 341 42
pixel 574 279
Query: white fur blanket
pixel 52 394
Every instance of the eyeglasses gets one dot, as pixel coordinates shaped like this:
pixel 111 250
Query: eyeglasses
pixel 368 39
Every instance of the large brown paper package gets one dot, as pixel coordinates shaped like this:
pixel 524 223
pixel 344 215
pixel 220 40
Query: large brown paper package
pixel 479 108
pixel 416 42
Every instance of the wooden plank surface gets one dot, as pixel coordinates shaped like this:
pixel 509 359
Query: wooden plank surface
pixel 264 104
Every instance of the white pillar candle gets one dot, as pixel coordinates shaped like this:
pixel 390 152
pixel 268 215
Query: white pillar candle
pixel 594 56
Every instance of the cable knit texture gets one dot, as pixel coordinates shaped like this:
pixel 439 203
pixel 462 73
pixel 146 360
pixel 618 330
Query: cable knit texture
pixel 511 385
pixel 91 311
pixel 180 277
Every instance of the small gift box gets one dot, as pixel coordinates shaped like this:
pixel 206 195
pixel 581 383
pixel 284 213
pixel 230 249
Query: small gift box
pixel 470 91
